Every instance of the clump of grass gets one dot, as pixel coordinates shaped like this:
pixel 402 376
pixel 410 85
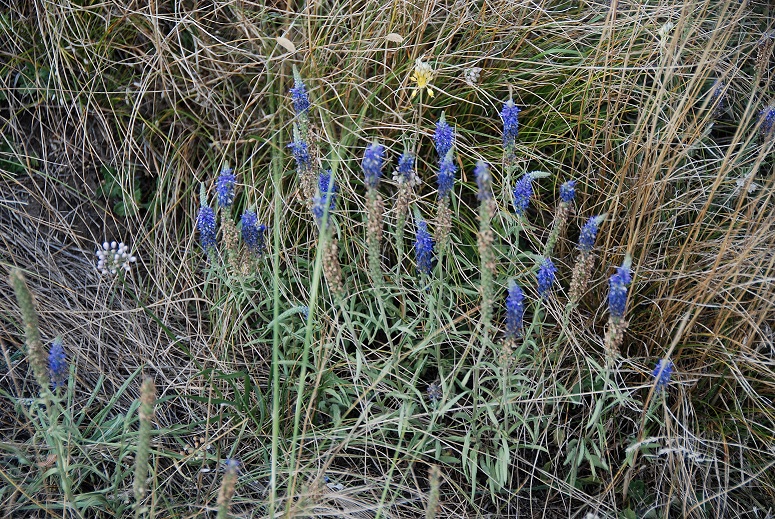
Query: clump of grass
pixel 561 413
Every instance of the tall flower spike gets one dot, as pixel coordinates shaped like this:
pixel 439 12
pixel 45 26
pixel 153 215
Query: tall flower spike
pixel 443 139
pixel 523 192
pixel 585 262
pixel 767 127
pixel 568 191
pixel 617 304
pixel 57 364
pixel 300 152
pixel 375 208
pixel 224 188
pixel 206 225
pixel 662 373
pixel 372 164
pixel 545 277
pixel 423 248
pixel 446 178
pixel 406 178
pixel 323 194
pixel 515 310
pixel 617 295
pixel 253 233
pixel 405 174
pixel 561 215
pixel 483 181
pixel 589 233
pixel 510 117
pixel 299 96
pixel 328 188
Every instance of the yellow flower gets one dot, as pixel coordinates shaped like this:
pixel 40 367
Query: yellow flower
pixel 422 75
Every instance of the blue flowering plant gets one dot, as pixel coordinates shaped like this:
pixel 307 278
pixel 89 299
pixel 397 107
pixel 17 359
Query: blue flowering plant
pixel 303 146
pixel 444 142
pixel 510 118
pixel 207 226
pixel 617 304
pixel 520 197
pixel 57 364
pixel 545 277
pixel 662 374
pixel 445 181
pixel 515 311
pixel 585 260
pixel 423 248
pixel 443 138
pixel 301 104
pixel 224 188
pixel 406 179
pixel 372 164
pixel 253 233
pixel 522 193
pixel 561 215
pixel 324 202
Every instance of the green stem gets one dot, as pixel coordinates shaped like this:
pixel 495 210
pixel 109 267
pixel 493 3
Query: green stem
pixel 276 167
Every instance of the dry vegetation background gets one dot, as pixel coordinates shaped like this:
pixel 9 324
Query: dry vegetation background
pixel 112 113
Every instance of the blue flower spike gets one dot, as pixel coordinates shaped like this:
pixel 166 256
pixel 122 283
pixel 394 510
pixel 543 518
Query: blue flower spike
pixel 253 233
pixel 515 310
pixel 483 181
pixel 546 277
pixel 205 222
pixel 300 150
pixel 589 233
pixel 373 158
pixel 405 174
pixel 510 117
pixel 767 116
pixel 57 364
pixel 423 248
pixel 617 295
pixel 325 183
pixel 299 96
pixel 443 138
pixel 224 187
pixel 446 178
pixel 523 192
pixel 662 373
pixel 568 192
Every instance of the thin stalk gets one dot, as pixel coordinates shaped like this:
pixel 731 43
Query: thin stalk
pixel 276 165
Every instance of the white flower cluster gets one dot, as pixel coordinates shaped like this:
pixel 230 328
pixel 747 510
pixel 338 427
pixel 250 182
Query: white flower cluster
pixel 412 180
pixel 114 256
pixel 471 75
